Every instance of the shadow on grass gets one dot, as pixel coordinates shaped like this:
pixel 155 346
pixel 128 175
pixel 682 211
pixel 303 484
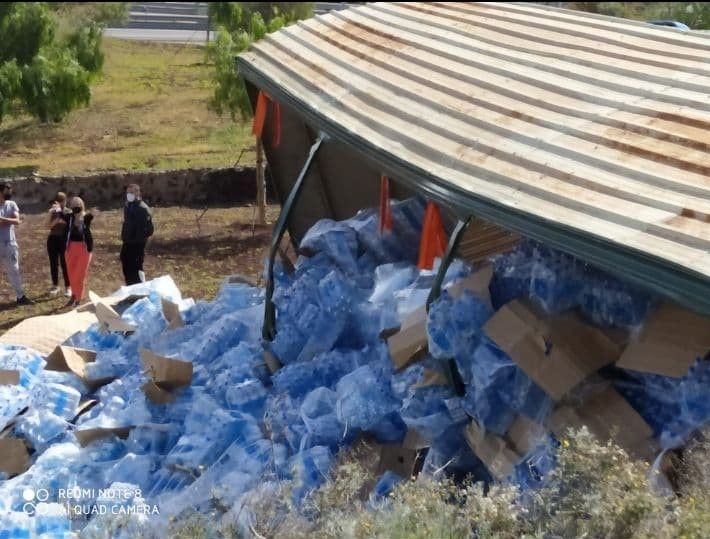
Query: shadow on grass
pixel 22 312
pixel 211 248
pixel 18 172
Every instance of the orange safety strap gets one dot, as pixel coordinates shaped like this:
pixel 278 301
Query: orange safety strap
pixel 433 241
pixel 385 208
pixel 275 124
pixel 260 114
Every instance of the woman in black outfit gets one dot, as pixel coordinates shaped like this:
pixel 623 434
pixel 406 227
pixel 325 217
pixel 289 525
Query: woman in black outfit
pixel 59 216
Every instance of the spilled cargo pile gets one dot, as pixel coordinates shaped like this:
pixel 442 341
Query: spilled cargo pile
pixel 167 405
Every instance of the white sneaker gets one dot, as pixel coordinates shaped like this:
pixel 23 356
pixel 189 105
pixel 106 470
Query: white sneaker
pixel 67 293
pixel 141 276
pixel 54 291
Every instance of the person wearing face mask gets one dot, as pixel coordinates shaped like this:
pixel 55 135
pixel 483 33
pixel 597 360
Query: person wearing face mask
pixel 59 216
pixel 80 244
pixel 9 250
pixel 137 228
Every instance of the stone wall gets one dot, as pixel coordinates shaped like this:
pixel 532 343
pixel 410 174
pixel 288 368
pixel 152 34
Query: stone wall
pixel 190 187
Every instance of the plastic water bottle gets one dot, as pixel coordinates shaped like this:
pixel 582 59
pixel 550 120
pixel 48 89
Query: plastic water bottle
pixel 310 469
pixel 325 370
pixel 132 468
pixel 51 520
pixel 40 427
pixel 384 487
pixel 364 399
pixel 248 397
pixel 318 412
pixel 59 399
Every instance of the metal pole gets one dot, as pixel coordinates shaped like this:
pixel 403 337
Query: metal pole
pixel 452 372
pixel 260 183
pixel 454 241
pixel 268 330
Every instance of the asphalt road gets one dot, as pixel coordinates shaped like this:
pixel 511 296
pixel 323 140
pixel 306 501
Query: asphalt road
pixel 167 36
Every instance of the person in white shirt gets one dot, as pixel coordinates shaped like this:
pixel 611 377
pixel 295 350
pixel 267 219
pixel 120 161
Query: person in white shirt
pixel 9 250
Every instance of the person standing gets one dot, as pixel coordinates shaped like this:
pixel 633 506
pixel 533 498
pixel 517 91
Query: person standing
pixel 137 228
pixel 9 250
pixel 59 216
pixel 80 244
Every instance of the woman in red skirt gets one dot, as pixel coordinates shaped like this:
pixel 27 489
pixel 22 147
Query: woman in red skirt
pixel 80 243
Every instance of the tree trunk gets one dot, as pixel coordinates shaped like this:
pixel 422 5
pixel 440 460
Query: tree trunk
pixel 260 184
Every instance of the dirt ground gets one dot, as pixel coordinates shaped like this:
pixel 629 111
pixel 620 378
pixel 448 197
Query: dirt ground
pixel 198 250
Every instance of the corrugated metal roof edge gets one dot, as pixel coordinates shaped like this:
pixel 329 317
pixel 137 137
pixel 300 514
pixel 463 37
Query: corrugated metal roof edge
pixel 687 287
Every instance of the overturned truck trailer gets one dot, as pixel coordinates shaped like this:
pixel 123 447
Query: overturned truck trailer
pixel 588 133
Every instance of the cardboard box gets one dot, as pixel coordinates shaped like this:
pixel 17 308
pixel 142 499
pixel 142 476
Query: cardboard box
pixel 558 352
pixel 493 450
pixel 68 359
pixel 410 343
pixel 478 283
pixel 524 435
pixel 669 343
pixel 166 375
pixel 171 311
pixel 45 333
pixel 83 408
pixel 111 321
pixel 9 377
pixel 86 436
pixel 398 459
pixel 14 457
pixel 608 416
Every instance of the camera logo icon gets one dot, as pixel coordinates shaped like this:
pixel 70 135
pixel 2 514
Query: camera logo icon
pixel 32 497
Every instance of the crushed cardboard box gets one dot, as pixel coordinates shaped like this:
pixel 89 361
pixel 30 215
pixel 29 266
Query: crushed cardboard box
pixel 410 343
pixel 111 321
pixel 86 436
pixel 69 359
pixel 166 374
pixel 556 352
pixel 670 341
pixel 14 457
pixel 83 408
pixel 524 435
pixel 493 450
pixel 500 454
pixel 171 312
pixel 608 416
pixel 9 377
pixel 45 333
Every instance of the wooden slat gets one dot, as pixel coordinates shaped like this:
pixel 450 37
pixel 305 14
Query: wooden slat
pixel 654 148
pixel 358 117
pixel 660 221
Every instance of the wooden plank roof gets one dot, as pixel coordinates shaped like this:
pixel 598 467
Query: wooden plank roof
pixel 588 132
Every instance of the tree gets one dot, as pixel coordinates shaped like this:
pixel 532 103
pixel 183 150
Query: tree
pixel 238 25
pixel 42 73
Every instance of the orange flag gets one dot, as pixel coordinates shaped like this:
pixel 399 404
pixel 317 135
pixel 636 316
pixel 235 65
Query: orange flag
pixel 385 208
pixel 259 114
pixel 433 240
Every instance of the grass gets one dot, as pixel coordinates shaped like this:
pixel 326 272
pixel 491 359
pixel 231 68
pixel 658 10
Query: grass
pixel 148 112
pixel 197 255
